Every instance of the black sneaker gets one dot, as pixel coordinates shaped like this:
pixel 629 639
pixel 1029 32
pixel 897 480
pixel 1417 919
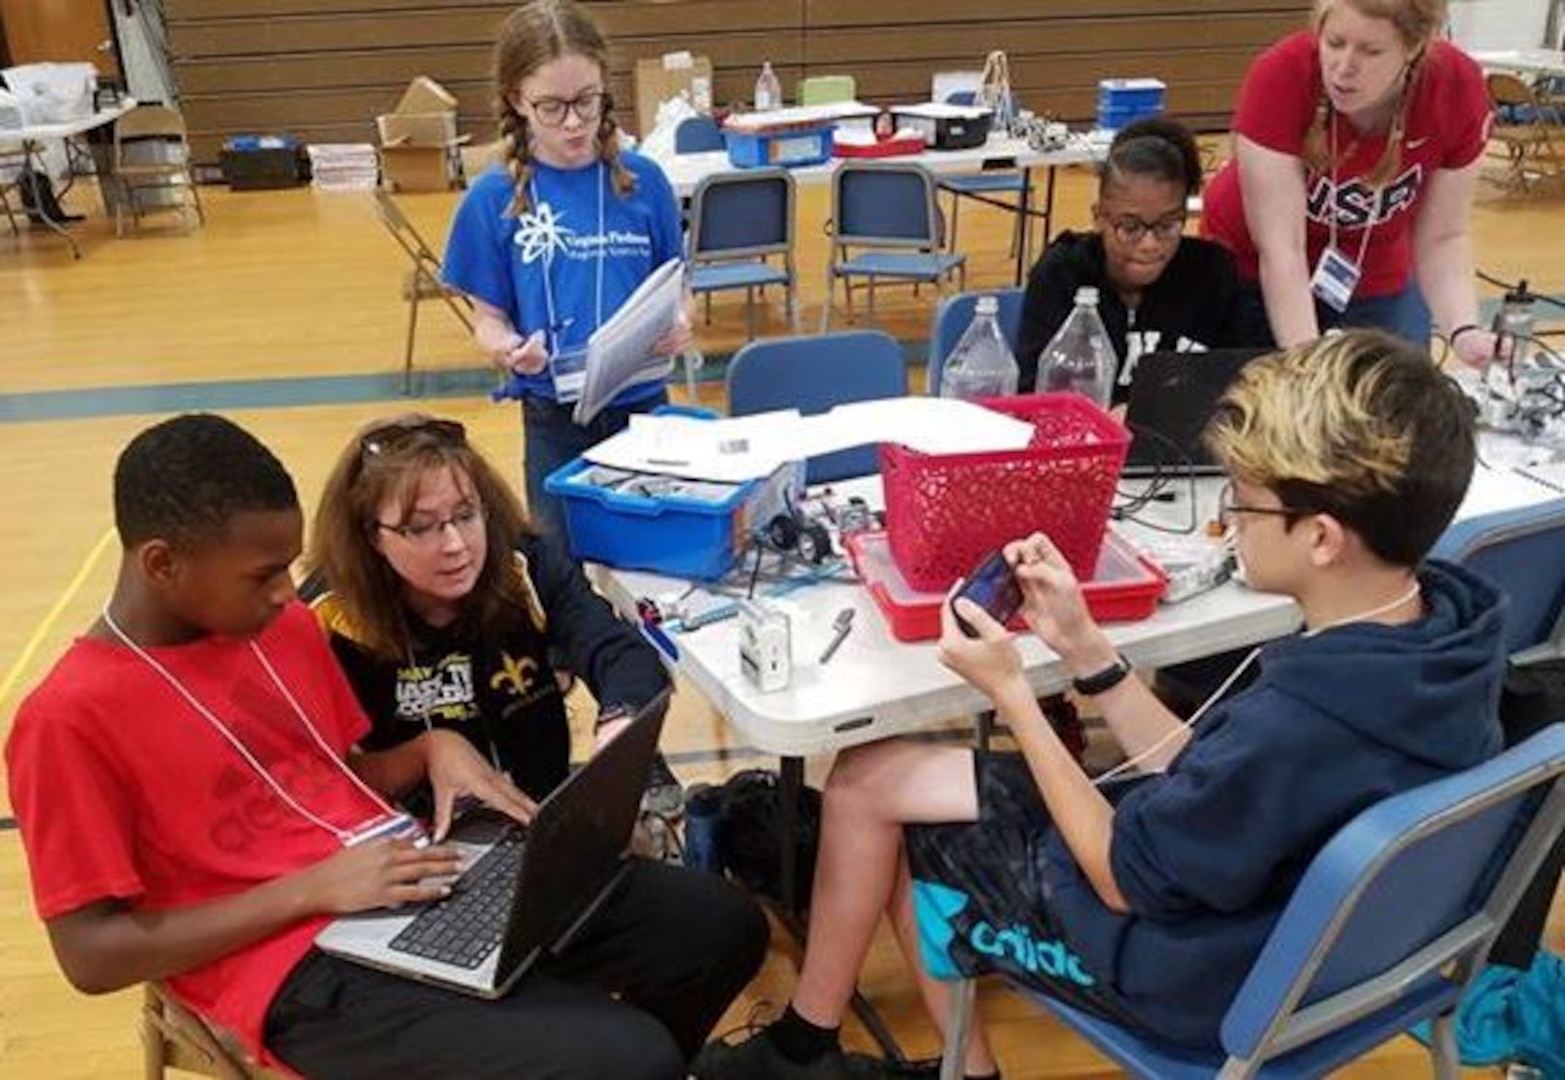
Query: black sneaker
pixel 757 1058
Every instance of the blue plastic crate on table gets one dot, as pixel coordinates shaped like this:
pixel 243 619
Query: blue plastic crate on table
pixel 1122 100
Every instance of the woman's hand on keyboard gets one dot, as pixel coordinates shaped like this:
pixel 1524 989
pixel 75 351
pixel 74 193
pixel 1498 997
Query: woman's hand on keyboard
pixel 382 873
pixel 456 769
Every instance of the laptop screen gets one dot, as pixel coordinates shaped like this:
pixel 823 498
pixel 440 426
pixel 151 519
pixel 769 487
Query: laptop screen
pixel 1172 397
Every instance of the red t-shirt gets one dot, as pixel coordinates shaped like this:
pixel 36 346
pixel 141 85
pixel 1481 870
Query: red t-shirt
pixel 1447 125
pixel 122 790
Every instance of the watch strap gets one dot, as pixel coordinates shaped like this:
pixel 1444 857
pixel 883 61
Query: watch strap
pixel 1101 682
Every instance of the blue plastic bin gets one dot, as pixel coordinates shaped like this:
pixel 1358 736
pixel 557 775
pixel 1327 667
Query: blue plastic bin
pixel 796 146
pixel 686 538
pixel 1122 100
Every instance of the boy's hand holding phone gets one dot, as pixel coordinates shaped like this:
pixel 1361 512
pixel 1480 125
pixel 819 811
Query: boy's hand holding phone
pixel 1053 605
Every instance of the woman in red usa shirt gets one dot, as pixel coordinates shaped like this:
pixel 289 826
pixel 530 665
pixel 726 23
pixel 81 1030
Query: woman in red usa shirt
pixel 1347 203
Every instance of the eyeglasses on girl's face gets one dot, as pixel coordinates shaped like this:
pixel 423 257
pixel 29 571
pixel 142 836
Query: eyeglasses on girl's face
pixel 588 107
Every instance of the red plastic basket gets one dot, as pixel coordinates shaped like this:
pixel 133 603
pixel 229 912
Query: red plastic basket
pixel 946 511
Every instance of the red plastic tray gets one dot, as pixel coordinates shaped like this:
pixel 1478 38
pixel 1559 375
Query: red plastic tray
pixel 1125 588
pixel 878 149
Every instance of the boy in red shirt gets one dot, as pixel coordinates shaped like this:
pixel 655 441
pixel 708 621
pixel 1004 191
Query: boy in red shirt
pixel 194 809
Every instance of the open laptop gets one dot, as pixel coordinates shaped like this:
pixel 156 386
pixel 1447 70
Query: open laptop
pixel 526 890
pixel 1172 396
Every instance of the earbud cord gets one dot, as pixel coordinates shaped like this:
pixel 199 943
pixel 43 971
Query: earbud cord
pixel 1216 695
pixel 344 836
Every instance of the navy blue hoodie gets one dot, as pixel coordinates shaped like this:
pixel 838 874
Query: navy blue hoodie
pixel 1208 852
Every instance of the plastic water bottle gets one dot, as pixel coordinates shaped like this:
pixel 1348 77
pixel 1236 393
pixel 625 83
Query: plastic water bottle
pixel 1079 359
pixel 1516 324
pixel 768 91
pixel 981 365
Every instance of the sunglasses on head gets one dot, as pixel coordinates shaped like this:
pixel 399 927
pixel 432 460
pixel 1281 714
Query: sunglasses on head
pixel 387 437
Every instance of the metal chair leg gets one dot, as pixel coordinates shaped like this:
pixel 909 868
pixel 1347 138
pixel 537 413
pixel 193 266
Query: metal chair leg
pixel 407 354
pixel 959 1023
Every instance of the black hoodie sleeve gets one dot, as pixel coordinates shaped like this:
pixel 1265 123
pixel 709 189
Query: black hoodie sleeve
pixel 1051 295
pixel 620 668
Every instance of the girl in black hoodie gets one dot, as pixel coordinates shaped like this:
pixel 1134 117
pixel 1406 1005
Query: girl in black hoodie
pixel 1157 289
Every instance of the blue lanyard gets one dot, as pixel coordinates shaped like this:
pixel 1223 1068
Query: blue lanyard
pixel 555 327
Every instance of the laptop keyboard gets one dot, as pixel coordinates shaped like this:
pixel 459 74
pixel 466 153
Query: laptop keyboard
pixel 466 926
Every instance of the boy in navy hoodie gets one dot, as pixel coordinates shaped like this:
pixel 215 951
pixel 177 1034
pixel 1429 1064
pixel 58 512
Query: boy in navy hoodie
pixel 1146 895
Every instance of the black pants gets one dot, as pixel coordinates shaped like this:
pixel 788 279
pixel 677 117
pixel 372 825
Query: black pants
pixel 632 998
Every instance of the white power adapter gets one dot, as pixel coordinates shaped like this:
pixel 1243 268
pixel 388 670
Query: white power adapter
pixel 765 646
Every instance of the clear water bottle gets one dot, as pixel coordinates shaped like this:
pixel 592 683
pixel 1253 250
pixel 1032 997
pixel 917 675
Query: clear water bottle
pixel 768 91
pixel 1516 325
pixel 981 365
pixel 1080 359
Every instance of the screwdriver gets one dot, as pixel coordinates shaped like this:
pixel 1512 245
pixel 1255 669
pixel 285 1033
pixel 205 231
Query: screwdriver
pixel 840 627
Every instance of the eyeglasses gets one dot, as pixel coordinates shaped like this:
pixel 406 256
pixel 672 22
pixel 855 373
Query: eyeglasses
pixel 1131 230
pixel 465 520
pixel 390 435
pixel 1227 509
pixel 551 111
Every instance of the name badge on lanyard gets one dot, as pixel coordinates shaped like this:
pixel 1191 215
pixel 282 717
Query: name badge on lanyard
pixel 568 369
pixel 1336 278
pixel 395 826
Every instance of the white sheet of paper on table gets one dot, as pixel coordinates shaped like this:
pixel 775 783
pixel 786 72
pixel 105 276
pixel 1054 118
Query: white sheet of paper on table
pixel 735 449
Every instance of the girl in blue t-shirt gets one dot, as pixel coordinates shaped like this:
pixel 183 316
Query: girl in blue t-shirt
pixel 550 246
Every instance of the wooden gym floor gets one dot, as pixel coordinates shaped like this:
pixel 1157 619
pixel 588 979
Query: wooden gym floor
pixel 284 311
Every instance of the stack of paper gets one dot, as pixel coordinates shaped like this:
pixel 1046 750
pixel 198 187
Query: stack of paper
pixel 620 353
pixel 344 166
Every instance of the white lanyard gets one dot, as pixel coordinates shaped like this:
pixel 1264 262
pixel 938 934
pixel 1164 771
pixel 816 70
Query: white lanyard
pixel 1331 220
pixel 554 327
pixel 344 836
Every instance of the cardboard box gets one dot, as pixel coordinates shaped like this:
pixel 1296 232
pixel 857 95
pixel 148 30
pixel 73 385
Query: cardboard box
pixel 418 139
pixel 416 129
pixel 416 168
pixel 662 79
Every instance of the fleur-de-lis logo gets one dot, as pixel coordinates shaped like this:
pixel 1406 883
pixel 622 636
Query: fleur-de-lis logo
pixel 517 673
pixel 539 233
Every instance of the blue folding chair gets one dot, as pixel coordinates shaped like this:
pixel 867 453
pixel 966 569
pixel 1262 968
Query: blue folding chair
pixel 812 374
pixel 1522 552
pixel 1394 916
pixel 952 317
pixel 987 185
pixel 698 135
pixel 739 222
pixel 887 212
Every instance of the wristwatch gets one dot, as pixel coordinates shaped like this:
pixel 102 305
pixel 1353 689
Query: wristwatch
pixel 1101 682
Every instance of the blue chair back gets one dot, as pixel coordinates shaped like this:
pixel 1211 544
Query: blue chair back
pixel 698 134
pixel 952 317
pixel 1522 552
pixel 1393 918
pixel 881 204
pixel 812 374
pixel 745 214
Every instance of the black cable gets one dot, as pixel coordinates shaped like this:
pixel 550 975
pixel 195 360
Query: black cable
pixel 1510 286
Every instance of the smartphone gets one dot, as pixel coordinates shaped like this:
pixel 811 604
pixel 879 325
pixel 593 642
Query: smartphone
pixel 993 587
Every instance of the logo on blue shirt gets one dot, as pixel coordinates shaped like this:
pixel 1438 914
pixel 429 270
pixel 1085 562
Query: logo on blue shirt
pixel 540 235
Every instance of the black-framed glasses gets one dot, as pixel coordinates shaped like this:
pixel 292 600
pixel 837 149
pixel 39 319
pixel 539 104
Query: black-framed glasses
pixel 1130 230
pixel 392 434
pixel 551 111
pixel 464 519
pixel 1227 509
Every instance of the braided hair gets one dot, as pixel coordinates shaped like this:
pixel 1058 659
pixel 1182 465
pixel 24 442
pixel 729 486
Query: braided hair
pixel 531 36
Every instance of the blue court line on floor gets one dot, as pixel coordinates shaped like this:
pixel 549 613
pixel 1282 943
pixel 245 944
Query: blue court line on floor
pixel 282 393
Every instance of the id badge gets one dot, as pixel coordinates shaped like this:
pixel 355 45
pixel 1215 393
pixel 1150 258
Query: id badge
pixel 397 826
pixel 1336 277
pixel 568 369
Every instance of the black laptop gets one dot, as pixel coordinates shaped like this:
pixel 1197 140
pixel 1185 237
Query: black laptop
pixel 1172 397
pixel 526 890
